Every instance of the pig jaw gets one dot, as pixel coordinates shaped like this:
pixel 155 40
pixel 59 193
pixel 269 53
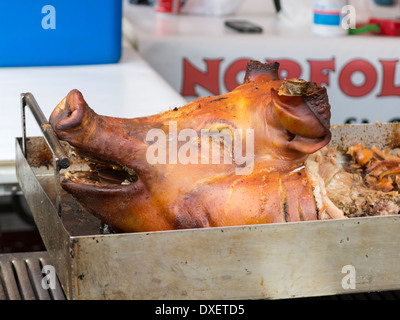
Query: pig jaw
pixel 126 208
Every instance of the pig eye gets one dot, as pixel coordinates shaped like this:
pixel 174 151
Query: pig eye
pixel 220 126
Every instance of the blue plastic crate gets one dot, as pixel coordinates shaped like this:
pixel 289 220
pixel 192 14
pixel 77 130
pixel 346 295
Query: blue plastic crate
pixel 59 32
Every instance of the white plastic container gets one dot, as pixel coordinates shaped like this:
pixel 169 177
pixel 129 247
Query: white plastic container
pixel 328 17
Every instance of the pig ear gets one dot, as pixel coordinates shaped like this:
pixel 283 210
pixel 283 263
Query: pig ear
pixel 257 71
pixel 314 100
pixel 303 109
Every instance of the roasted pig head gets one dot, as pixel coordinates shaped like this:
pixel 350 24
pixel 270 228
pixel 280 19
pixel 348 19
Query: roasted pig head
pixel 234 159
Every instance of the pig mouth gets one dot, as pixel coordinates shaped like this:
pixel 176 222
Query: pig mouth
pixel 102 174
pixel 73 114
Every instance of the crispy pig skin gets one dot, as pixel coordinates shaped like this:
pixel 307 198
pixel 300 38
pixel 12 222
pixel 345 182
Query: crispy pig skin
pixel 289 119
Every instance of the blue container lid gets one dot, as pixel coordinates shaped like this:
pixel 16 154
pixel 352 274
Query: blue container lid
pixel 60 32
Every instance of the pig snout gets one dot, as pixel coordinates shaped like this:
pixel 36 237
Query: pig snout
pixel 70 113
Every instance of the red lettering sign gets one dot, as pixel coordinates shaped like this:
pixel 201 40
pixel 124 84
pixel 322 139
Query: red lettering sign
pixel 208 79
pixel 288 69
pixel 388 87
pixel 370 75
pixel 319 70
pixel 230 78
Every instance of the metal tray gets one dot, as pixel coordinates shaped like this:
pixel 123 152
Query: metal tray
pixel 269 261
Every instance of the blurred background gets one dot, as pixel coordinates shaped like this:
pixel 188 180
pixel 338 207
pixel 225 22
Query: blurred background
pixel 138 57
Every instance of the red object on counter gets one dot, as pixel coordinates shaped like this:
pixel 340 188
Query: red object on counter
pixel 169 6
pixel 387 27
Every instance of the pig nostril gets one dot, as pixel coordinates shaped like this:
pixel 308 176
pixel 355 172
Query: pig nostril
pixel 291 136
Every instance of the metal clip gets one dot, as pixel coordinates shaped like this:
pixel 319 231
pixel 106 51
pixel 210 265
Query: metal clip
pixel 60 159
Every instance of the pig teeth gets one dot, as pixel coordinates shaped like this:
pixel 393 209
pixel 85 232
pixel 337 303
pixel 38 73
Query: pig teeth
pixel 69 175
pixel 126 182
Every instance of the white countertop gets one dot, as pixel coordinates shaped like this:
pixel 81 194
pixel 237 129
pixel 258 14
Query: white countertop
pixel 143 20
pixel 128 89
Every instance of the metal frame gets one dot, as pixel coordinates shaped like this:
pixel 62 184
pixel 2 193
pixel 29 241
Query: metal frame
pixel 60 159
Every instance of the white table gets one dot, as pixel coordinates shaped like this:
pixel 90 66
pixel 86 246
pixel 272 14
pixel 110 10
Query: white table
pixel 182 47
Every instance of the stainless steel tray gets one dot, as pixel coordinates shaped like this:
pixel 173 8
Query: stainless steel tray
pixel 297 259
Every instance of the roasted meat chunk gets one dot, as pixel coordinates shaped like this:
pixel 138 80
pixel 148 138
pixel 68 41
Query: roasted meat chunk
pixel 367 184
